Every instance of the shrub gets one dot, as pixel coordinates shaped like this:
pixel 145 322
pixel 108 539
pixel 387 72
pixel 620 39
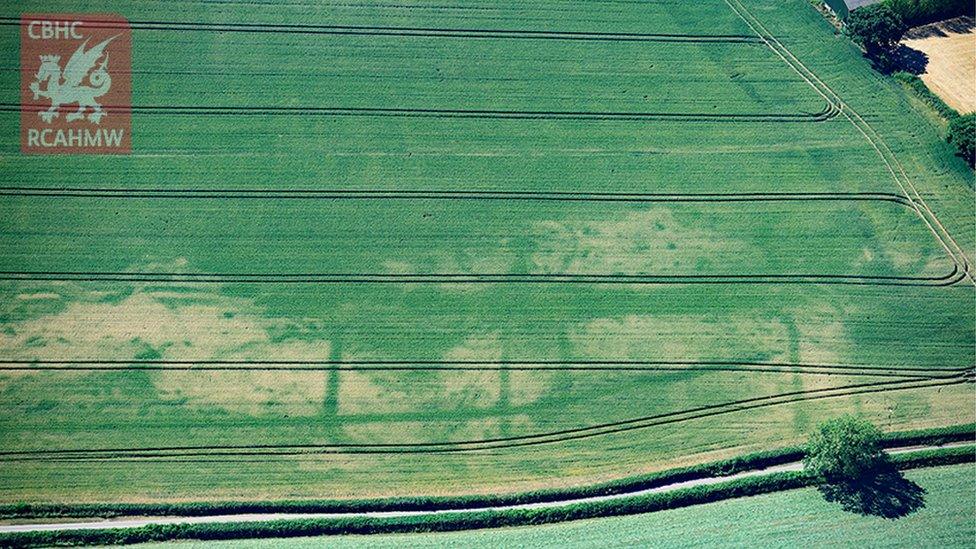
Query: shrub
pixel 844 449
pixel 962 133
pixel 845 460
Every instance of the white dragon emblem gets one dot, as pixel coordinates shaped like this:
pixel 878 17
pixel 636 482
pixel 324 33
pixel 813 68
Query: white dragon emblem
pixel 66 88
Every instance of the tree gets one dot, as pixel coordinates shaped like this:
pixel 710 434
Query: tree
pixel 844 449
pixel 877 28
pixel 845 458
pixel 962 134
pixel 919 12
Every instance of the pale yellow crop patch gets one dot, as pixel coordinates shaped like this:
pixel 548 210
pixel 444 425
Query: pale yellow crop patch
pixel 190 328
pixel 651 241
pixel 682 338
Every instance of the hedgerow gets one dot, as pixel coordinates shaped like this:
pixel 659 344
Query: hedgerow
pixel 920 12
pixel 715 469
pixel 934 436
pixel 744 487
pixel 961 127
pixel 430 523
pixel 934 458
pixel 755 460
pixel 916 85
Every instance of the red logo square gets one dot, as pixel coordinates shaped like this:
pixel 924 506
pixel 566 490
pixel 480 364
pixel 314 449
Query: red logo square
pixel 76 84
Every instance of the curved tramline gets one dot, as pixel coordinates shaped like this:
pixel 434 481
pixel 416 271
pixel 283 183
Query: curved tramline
pixel 889 159
pixel 828 112
pixel 541 259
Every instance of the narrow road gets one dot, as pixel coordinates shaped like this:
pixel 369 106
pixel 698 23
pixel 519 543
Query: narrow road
pixel 265 517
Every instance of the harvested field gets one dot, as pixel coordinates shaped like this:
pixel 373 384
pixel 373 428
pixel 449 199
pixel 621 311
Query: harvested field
pixel 950 70
pixel 374 249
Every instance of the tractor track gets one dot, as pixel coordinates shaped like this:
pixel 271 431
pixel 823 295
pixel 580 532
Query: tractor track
pixel 949 279
pixel 392 194
pixel 419 32
pixel 630 366
pixel 952 277
pixel 828 112
pixel 887 156
pixel 501 443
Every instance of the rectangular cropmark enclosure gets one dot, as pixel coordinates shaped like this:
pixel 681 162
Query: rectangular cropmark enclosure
pixel 374 249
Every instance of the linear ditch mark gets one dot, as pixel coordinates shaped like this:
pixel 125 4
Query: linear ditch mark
pixel 953 277
pixel 827 113
pixel 420 32
pixel 565 435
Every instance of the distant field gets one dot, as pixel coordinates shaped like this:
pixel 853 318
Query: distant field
pixel 370 249
pixel 774 520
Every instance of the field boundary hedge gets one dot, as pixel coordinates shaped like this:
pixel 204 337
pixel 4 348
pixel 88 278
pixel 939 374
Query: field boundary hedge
pixel 743 487
pixel 957 133
pixel 917 86
pixel 915 12
pixel 756 460
pixel 922 12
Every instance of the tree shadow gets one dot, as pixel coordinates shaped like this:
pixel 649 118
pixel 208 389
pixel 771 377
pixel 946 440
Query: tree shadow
pixel 884 492
pixel 902 58
pixel 909 60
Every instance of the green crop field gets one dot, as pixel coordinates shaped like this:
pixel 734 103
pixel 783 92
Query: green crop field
pixel 372 249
